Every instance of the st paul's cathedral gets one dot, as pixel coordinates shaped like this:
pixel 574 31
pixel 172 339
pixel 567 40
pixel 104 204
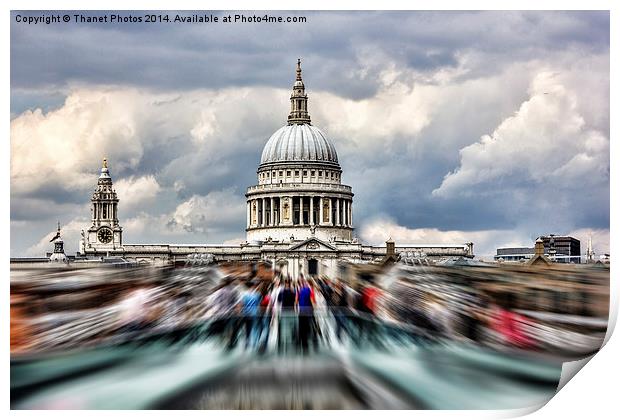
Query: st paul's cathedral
pixel 299 214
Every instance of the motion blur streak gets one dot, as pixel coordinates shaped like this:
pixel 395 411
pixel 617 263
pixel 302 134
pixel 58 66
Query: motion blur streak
pixel 247 337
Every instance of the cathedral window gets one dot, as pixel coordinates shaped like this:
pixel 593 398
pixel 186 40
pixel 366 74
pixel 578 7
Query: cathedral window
pixel 296 173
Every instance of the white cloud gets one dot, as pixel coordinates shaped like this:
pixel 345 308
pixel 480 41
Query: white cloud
pixel 546 142
pixel 64 145
pixel 136 192
pixel 397 110
pixel 70 234
pixel 485 241
pixel 201 214
pixel 600 239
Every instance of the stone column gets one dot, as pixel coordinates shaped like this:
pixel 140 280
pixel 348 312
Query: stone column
pixel 348 213
pixel 258 210
pixel 321 211
pixel 351 213
pixel 272 220
pixel 337 221
pixel 311 216
pixel 248 222
pixel 331 222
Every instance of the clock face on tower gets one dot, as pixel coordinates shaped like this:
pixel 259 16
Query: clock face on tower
pixel 105 235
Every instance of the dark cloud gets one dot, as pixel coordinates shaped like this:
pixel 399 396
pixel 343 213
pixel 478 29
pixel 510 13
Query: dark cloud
pixel 173 56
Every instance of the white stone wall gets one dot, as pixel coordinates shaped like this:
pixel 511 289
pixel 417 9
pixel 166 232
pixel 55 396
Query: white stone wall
pixel 298 232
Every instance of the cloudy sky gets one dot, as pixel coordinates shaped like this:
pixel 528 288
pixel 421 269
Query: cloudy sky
pixel 450 127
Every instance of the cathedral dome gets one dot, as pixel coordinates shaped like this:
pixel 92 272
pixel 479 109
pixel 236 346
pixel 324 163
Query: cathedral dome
pixel 299 142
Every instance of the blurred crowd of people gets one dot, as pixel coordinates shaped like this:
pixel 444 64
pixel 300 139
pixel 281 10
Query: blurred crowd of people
pixel 254 310
pixel 283 313
pixel 306 312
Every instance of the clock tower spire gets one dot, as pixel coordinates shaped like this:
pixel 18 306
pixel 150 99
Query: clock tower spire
pixel 105 233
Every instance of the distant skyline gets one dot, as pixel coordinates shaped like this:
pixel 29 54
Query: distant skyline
pixel 490 127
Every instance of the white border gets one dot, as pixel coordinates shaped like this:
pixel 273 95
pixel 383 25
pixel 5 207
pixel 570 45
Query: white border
pixel 591 395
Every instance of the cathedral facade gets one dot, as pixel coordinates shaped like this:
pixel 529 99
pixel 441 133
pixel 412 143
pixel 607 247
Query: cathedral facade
pixel 299 214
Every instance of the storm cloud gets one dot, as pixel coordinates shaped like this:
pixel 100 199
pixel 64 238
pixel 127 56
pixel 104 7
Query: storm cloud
pixel 492 126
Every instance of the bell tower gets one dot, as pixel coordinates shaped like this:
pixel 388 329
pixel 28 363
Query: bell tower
pixel 105 233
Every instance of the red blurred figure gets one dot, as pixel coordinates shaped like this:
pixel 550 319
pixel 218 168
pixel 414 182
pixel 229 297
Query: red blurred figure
pixel 510 325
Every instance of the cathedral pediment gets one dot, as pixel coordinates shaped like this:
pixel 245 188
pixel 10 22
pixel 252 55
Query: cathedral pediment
pixel 313 244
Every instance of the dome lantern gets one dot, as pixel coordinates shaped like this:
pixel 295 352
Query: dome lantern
pixel 299 100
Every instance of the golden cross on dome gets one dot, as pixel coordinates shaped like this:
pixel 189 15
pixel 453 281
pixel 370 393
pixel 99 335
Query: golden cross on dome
pixel 105 162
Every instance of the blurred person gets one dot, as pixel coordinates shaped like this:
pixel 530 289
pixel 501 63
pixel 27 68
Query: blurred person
pixel 366 306
pixel 21 331
pixel 250 311
pixel 413 311
pixel 223 315
pixel 226 298
pixel 341 308
pixel 274 292
pixel 173 309
pixel 306 323
pixel 440 316
pixel 287 297
pixel 509 325
pixel 265 309
pixel 133 311
pixel 473 318
pixel 286 326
